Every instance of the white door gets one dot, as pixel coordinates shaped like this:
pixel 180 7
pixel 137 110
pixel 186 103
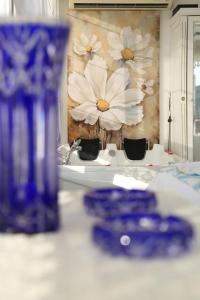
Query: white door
pixel 193 91
pixel 179 87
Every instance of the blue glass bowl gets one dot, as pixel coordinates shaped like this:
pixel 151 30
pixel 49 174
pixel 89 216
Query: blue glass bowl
pixel 113 201
pixel 143 235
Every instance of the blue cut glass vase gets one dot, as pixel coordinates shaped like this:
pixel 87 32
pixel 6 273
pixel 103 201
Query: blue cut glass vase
pixel 31 61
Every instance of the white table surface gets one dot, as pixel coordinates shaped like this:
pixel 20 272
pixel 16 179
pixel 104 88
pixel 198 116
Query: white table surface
pixel 67 266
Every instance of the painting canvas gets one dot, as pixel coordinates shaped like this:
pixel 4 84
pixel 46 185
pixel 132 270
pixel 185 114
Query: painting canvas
pixel 113 76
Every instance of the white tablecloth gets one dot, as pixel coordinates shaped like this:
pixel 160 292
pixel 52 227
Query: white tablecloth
pixel 67 266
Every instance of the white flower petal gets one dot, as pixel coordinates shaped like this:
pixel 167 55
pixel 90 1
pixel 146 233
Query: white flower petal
pixel 86 112
pixel 150 82
pixel 117 83
pixel 84 40
pixel 133 40
pixel 127 98
pixel 115 41
pixel 76 42
pixel 149 91
pixel 109 121
pixel 131 63
pixel 79 50
pixel 143 43
pixel 145 63
pixel 147 53
pixel 136 37
pixel 92 118
pixel 147 83
pixel 130 116
pixel 80 45
pixel 137 67
pixel 115 54
pixel 96 74
pixel 79 89
pixel 140 82
pixel 96 47
pixel 80 112
pixel 126 36
pixel 92 40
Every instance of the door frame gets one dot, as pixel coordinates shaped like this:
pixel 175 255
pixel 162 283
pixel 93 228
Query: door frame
pixel 190 85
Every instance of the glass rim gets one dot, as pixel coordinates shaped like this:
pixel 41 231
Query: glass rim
pixel 14 20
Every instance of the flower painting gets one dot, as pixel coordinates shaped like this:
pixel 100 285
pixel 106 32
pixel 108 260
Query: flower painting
pixel 105 99
pixel 145 85
pixel 131 47
pixel 113 76
pixel 86 45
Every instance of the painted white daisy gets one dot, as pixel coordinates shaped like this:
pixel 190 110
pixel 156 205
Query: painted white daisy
pixel 145 85
pixel 86 45
pixel 103 99
pixel 131 47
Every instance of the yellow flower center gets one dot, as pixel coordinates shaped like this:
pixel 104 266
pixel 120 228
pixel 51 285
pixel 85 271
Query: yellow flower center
pixel 127 54
pixel 102 105
pixel 88 49
pixel 144 87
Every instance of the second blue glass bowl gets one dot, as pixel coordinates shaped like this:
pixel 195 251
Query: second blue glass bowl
pixel 143 235
pixel 112 201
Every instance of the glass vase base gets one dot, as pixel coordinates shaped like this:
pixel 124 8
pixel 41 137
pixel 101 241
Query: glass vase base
pixel 30 223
